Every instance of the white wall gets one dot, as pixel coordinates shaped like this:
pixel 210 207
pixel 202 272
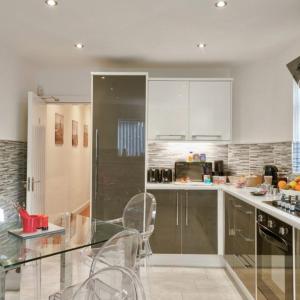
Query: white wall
pixel 67 167
pixel 263 99
pixel 76 81
pixel 17 77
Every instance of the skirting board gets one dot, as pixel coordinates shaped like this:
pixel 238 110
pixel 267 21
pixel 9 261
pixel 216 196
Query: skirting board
pixel 187 260
pixel 238 283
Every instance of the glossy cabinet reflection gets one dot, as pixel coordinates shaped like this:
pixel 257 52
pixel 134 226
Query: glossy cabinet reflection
pixel 186 222
pixel 119 103
pixel 240 240
pixel 166 237
pixel 200 222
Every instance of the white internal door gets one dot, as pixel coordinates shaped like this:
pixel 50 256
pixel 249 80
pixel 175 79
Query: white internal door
pixel 37 117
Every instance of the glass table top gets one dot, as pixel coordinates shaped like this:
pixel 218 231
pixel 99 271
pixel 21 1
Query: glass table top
pixel 79 232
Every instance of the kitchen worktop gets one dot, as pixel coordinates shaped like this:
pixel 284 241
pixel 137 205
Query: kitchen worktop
pixel 181 186
pixel 241 193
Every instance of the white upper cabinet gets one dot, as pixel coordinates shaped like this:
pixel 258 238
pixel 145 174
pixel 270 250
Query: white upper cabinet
pixel 168 110
pixel 189 110
pixel 210 110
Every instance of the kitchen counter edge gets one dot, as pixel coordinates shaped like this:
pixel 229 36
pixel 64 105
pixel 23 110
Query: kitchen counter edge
pixel 242 194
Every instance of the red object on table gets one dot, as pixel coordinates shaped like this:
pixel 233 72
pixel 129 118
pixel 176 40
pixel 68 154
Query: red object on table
pixel 29 224
pixel 33 222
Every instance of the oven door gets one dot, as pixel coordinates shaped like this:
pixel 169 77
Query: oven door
pixel 274 266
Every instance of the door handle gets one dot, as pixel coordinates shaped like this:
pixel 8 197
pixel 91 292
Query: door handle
pixel 33 182
pixel 186 209
pixel 28 184
pixel 177 215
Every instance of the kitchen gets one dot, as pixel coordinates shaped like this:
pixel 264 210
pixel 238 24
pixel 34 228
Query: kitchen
pixel 199 108
pixel 206 213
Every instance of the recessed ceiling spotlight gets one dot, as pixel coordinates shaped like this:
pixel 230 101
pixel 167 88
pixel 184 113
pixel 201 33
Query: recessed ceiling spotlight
pixel 221 4
pixel 201 45
pixel 79 45
pixel 51 3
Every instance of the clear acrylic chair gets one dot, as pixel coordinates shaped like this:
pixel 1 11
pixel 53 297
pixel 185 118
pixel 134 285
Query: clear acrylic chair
pixel 140 214
pixel 112 283
pixel 120 250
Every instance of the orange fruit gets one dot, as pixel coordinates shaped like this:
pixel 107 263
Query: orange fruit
pixel 297 187
pixel 282 184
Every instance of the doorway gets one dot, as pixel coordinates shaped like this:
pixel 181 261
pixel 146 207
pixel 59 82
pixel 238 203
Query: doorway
pixel 64 170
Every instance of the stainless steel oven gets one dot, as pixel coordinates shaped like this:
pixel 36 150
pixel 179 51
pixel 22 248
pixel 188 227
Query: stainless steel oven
pixel 274 258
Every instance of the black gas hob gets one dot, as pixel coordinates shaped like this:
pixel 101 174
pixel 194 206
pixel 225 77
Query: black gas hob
pixel 290 207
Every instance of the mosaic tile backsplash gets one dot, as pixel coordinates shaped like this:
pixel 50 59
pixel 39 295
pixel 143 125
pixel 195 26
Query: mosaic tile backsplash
pixel 13 159
pixel 240 159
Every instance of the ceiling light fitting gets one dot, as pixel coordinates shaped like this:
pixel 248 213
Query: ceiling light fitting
pixel 51 3
pixel 201 45
pixel 79 45
pixel 221 4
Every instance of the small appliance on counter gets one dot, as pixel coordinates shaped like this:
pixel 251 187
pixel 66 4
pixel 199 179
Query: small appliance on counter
pixel 166 175
pixel 271 170
pixel 153 175
pixel 208 168
pixel 219 167
pixel 192 171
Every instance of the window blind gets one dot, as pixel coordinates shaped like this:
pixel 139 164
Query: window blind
pixel 131 138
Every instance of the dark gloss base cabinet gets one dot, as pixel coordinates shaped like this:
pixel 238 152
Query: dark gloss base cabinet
pixel 240 240
pixel 186 222
pixel 166 237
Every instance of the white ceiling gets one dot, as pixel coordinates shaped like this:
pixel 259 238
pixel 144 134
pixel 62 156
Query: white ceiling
pixel 149 32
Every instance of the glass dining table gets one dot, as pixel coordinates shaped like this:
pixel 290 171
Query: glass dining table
pixel 15 252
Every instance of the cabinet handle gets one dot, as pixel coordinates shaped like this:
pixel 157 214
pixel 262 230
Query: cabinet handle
pixel 171 136
pixel 186 209
pixel 97 162
pixel 245 238
pixel 177 217
pixel 202 136
pixel 247 212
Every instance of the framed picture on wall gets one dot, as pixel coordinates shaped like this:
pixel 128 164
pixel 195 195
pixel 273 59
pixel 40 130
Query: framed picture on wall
pixel 85 136
pixel 74 133
pixel 59 129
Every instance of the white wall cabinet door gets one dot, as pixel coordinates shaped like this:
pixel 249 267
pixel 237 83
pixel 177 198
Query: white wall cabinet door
pixel 210 110
pixel 168 110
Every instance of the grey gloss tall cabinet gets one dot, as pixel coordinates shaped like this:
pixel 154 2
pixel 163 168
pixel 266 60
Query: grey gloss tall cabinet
pixel 118 156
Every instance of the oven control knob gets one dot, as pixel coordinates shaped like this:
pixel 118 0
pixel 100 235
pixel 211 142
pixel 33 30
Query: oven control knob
pixel 260 218
pixel 271 224
pixel 283 230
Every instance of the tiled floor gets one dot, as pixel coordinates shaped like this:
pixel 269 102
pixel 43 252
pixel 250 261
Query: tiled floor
pixel 162 283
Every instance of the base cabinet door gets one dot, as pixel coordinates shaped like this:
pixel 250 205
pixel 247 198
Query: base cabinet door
pixel 229 253
pixel 199 222
pixel 240 240
pixel 166 238
pixel 245 244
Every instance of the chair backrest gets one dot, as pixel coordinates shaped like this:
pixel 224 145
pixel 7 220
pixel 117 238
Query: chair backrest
pixel 140 213
pixel 120 250
pixel 113 283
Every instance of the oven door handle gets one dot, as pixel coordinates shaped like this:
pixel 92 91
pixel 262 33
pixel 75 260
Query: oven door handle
pixel 272 238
